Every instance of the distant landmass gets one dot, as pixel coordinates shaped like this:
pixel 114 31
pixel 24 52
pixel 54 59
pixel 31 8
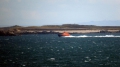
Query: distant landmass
pixel 47 29
pixel 106 23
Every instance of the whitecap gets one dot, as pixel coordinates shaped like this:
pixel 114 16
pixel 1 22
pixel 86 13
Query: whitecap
pixel 87 57
pixel 51 59
pixel 24 65
pixel 86 61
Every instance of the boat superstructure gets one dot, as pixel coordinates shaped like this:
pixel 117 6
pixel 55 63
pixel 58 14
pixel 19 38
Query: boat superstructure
pixel 63 34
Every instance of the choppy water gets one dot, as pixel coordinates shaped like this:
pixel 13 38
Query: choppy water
pixel 49 50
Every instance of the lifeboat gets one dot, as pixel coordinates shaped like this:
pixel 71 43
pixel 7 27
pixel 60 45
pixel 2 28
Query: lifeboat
pixel 63 34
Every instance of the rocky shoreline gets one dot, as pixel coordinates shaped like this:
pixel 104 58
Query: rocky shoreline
pixel 22 32
pixel 55 29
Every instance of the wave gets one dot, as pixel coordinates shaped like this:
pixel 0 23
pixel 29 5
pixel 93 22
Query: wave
pixel 93 36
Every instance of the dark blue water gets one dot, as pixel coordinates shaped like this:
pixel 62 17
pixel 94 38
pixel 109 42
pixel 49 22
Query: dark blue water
pixel 49 50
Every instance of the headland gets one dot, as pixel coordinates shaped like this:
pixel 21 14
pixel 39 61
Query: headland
pixel 55 29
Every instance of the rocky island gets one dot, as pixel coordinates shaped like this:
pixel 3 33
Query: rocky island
pixel 55 29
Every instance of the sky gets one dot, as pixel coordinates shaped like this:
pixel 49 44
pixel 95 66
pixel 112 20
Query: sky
pixel 58 12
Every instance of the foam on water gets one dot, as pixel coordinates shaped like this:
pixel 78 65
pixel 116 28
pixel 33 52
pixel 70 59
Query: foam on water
pixel 92 36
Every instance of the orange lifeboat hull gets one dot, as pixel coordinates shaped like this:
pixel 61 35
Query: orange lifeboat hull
pixel 64 34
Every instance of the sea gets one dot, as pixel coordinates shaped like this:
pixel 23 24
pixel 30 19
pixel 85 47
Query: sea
pixel 49 50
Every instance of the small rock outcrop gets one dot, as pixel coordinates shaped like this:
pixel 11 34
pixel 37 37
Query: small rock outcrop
pixel 9 32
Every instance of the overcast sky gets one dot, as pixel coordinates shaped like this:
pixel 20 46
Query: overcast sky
pixel 54 12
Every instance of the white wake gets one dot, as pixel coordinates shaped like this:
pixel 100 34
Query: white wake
pixel 93 36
